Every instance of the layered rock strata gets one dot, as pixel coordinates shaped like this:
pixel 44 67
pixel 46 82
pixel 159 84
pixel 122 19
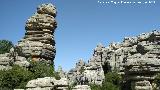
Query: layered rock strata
pixel 5 61
pixel 144 64
pixel 14 57
pixel 38 42
pixel 75 75
pixel 136 58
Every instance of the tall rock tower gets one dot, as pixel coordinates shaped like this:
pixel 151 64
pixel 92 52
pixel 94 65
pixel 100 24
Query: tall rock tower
pixel 38 42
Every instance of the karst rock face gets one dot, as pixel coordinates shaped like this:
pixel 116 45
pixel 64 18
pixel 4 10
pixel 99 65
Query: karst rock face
pixel 142 66
pixel 38 42
pixel 135 58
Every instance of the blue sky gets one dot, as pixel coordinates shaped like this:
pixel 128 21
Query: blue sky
pixel 82 24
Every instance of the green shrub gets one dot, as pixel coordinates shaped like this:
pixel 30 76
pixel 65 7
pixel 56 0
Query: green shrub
pixel 113 77
pixel 112 82
pixel 157 81
pixel 18 77
pixel 95 87
pixel 5 46
pixel 42 69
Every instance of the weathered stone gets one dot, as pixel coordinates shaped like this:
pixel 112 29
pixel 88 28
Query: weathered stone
pixel 47 9
pixel 38 42
pixel 21 61
pixel 136 58
pixel 61 73
pixel 7 60
pixel 82 87
pixel 75 75
pixel 47 83
pixel 142 85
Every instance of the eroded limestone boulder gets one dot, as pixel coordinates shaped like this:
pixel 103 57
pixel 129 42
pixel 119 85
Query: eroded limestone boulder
pixel 47 83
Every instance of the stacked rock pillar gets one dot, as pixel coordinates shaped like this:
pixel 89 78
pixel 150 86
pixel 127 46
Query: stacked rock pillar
pixel 38 42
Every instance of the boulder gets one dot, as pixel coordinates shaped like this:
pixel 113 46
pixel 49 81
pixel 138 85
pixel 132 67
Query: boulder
pixel 47 83
pixel 82 87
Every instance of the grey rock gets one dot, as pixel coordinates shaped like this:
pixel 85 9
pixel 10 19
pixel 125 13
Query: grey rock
pixel 136 58
pixel 38 42
pixel 21 61
pixel 142 85
pixel 61 73
pixel 47 83
pixel 82 87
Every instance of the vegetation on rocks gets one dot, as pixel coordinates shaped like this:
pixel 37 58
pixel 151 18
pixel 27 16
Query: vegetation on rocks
pixel 112 82
pixel 5 46
pixel 18 77
pixel 157 80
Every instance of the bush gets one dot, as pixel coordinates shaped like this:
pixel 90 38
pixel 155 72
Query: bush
pixel 5 46
pixel 96 87
pixel 157 81
pixel 18 77
pixel 42 69
pixel 112 82
pixel 113 77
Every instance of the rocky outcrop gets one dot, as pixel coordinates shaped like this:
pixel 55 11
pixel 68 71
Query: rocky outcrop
pixel 91 73
pixel 75 75
pixel 94 70
pixel 47 83
pixel 61 73
pixel 5 61
pixel 136 58
pixel 14 57
pixel 144 64
pixel 38 42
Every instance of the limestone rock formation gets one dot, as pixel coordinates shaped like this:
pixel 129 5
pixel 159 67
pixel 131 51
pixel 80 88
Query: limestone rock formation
pixel 75 75
pixel 38 42
pixel 47 83
pixel 61 73
pixel 5 62
pixel 136 58
pixel 145 63
pixel 92 72
pixel 14 57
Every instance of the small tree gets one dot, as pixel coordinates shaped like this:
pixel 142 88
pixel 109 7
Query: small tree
pixel 5 46
pixel 41 69
pixel 113 77
pixel 17 77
